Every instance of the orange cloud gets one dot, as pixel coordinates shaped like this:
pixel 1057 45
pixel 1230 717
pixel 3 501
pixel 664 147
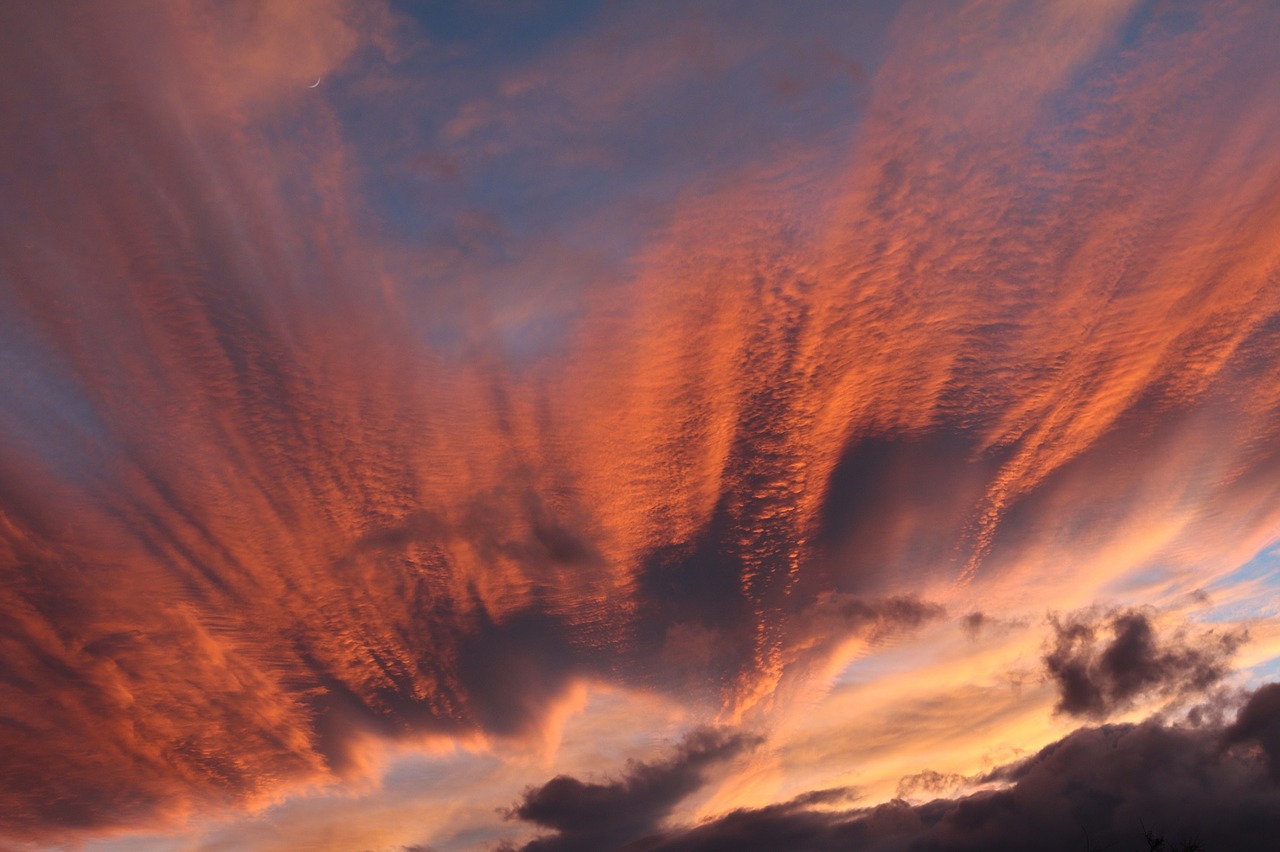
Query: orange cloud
pixel 279 479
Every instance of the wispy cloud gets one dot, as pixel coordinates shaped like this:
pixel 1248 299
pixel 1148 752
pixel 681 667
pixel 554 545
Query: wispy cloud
pixel 701 362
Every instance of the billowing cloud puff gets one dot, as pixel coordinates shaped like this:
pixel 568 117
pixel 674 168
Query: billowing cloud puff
pixel 1259 723
pixel 1097 675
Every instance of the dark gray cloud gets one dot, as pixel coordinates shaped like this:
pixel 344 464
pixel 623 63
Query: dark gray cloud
pixel 1097 788
pixel 1101 664
pixel 1259 723
pixel 603 815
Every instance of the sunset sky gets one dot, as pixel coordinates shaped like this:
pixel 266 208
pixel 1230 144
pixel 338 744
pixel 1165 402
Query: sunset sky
pixel 563 426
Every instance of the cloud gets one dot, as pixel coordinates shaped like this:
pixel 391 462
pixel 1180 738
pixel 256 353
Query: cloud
pixel 1259 722
pixel 605 815
pixel 1098 787
pixel 674 403
pixel 251 516
pixel 1097 676
pixel 930 784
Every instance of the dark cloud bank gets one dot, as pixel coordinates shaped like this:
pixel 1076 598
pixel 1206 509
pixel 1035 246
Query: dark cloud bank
pixel 1206 781
pixel 1214 783
pixel 1102 664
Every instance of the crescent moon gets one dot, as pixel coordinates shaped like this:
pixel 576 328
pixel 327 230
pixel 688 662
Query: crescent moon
pixel 316 83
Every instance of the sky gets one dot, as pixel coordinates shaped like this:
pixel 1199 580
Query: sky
pixel 552 426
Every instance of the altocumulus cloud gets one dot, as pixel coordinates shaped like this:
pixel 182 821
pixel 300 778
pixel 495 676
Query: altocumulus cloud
pixel 277 478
